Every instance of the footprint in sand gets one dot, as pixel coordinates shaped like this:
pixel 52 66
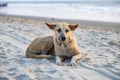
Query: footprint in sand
pixel 3 78
pixel 22 77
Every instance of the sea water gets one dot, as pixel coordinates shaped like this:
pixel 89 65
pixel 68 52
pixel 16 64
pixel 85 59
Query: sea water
pixel 100 10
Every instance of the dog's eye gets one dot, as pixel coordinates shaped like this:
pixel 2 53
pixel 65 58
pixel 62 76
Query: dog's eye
pixel 59 30
pixel 66 30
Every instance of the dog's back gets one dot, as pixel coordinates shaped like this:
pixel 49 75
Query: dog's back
pixel 42 47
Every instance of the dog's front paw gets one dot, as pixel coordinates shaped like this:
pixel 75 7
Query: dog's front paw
pixel 73 62
pixel 58 61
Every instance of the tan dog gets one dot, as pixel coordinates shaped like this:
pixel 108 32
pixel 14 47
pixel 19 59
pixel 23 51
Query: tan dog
pixel 61 45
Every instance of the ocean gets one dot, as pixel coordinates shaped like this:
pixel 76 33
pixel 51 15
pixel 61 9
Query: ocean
pixel 100 10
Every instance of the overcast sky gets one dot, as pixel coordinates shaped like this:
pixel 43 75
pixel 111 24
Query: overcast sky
pixel 43 0
pixel 55 0
pixel 52 0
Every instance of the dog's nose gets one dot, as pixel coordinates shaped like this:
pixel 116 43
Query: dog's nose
pixel 63 38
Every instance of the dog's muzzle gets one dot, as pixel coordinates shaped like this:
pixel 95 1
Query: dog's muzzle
pixel 62 38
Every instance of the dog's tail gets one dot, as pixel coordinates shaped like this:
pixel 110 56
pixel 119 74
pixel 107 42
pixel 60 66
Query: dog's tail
pixel 31 55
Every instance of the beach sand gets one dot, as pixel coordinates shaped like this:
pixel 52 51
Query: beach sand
pixel 99 42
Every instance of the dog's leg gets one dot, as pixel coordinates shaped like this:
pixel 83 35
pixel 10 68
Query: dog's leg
pixel 58 61
pixel 74 59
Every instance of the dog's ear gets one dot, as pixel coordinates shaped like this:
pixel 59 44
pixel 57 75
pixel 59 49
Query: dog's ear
pixel 51 25
pixel 73 26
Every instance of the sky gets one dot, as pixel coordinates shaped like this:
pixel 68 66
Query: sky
pixel 53 0
pixel 43 0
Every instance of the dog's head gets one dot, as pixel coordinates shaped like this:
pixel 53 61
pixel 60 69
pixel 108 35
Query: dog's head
pixel 62 30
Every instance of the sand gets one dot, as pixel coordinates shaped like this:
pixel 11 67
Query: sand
pixel 101 47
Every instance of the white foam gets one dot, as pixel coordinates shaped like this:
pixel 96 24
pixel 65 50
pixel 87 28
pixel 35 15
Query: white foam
pixel 66 11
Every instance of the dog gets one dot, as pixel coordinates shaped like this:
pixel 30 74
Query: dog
pixel 61 45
